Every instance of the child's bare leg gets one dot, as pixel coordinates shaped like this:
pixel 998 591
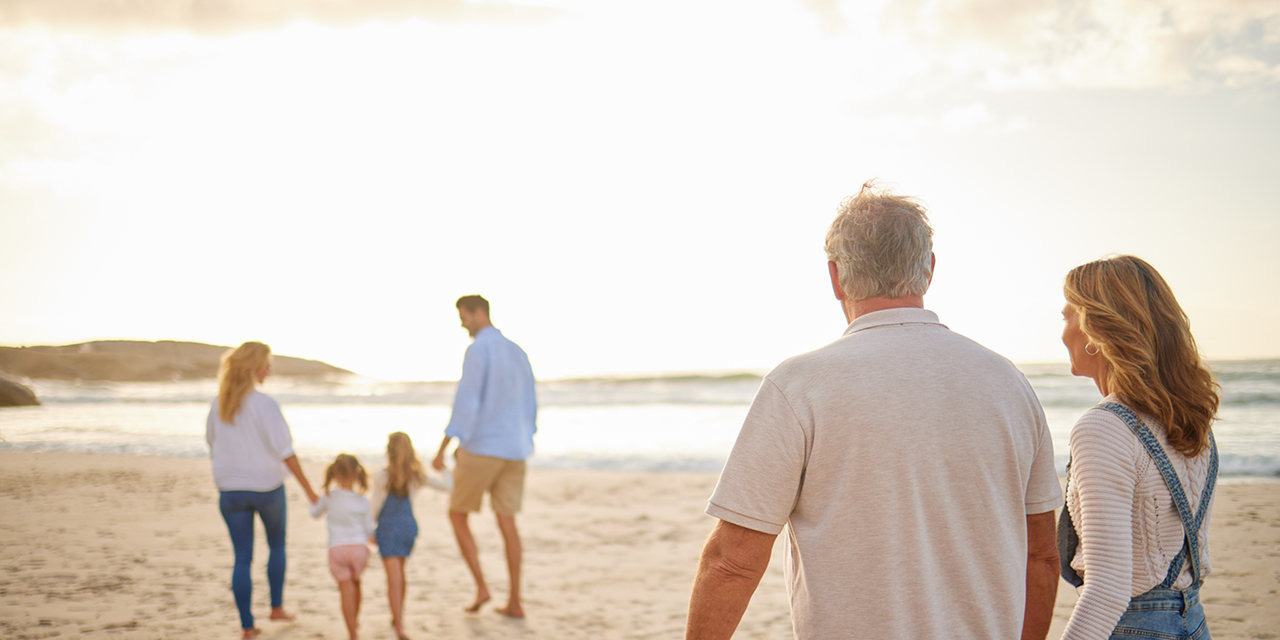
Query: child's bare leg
pixel 395 592
pixel 350 591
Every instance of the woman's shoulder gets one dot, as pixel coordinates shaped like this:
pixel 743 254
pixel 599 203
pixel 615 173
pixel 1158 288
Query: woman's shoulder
pixel 1100 422
pixel 260 400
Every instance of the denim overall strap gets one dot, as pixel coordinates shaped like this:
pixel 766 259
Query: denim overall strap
pixel 1068 540
pixel 1191 523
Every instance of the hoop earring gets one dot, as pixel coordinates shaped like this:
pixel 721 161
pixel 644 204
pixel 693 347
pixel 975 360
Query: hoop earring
pixel 1096 349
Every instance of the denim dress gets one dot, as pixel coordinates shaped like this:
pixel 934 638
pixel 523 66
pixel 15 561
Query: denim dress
pixel 397 528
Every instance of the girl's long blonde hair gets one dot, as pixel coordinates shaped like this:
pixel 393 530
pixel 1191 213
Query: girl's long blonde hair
pixel 346 468
pixel 236 377
pixel 1129 313
pixel 403 467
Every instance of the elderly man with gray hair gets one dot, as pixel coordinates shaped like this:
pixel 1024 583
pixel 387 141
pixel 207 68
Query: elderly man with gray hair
pixel 911 467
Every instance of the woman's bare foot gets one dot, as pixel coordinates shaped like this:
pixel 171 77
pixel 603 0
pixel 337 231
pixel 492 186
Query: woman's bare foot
pixel 481 598
pixel 250 633
pixel 511 611
pixel 278 615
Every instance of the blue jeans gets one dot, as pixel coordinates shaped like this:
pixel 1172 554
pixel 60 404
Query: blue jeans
pixel 1163 614
pixel 238 508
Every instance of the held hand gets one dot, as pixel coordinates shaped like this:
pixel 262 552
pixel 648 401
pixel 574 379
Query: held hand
pixel 373 541
pixel 312 496
pixel 438 462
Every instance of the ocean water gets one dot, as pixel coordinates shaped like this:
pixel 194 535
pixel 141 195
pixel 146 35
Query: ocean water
pixel 661 423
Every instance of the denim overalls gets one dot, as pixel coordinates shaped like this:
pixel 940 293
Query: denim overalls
pixel 1163 612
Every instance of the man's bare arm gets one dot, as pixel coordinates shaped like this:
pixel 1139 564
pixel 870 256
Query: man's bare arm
pixel 1042 575
pixel 733 561
pixel 438 462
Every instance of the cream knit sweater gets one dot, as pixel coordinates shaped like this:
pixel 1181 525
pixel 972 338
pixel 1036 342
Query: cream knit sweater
pixel 1128 524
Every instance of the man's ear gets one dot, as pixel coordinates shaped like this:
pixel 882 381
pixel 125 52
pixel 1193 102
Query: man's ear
pixel 933 264
pixel 835 281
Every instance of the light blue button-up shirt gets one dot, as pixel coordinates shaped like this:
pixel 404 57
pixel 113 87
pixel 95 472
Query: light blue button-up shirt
pixel 494 409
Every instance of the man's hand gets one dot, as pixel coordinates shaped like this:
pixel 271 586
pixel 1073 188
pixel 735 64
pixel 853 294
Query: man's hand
pixel 438 462
pixel 733 561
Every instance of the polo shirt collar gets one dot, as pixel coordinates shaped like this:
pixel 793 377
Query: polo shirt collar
pixel 899 315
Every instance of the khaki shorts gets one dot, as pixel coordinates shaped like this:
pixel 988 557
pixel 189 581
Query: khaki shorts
pixel 475 474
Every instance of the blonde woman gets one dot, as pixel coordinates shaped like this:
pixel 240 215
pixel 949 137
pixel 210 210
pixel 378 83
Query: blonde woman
pixel 1134 535
pixel 251 447
pixel 393 490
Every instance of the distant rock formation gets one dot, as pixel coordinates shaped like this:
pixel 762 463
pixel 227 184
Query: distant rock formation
pixel 136 361
pixel 16 394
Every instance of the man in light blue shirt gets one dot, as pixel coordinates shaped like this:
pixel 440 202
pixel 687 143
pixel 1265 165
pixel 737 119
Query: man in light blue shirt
pixel 494 415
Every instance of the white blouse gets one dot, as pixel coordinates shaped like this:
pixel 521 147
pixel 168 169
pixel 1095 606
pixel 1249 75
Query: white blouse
pixel 1129 527
pixel 248 455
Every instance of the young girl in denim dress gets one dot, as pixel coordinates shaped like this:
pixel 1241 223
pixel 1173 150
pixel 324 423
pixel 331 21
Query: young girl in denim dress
pixel 393 490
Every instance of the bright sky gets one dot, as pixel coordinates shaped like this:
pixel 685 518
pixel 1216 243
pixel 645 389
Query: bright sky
pixel 636 186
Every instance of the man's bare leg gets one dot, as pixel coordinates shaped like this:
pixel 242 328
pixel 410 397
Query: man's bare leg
pixel 511 539
pixel 467 544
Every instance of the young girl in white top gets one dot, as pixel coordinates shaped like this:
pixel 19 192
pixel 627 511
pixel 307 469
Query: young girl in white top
pixel 350 521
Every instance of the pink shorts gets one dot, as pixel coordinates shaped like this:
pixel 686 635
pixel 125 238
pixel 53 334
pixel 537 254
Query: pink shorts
pixel 347 561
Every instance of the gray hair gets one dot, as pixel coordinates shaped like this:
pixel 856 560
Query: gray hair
pixel 882 245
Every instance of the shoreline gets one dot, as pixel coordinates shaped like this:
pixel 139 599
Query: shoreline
pixel 111 545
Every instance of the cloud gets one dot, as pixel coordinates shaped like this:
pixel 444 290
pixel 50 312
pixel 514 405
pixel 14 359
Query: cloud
pixel 220 16
pixel 959 120
pixel 967 118
pixel 1089 44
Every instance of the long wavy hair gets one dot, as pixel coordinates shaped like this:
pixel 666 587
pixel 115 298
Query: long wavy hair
pixel 1129 313
pixel 346 468
pixel 403 467
pixel 236 377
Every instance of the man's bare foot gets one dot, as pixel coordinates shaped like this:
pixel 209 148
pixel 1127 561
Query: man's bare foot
pixel 511 611
pixel 279 615
pixel 475 606
pixel 250 633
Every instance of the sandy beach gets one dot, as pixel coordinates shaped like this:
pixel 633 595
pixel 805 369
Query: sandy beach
pixel 101 546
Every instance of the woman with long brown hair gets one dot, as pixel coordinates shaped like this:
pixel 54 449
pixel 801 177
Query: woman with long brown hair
pixel 251 447
pixel 1133 537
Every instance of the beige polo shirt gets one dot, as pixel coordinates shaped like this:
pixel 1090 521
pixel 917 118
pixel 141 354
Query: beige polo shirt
pixel 903 460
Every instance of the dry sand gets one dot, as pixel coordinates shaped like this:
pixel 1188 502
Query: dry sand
pixel 102 546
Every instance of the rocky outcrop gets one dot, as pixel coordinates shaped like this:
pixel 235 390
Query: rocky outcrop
pixel 135 361
pixel 16 394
